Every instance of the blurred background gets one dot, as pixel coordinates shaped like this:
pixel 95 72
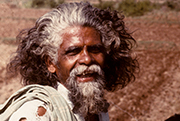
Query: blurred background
pixel 155 24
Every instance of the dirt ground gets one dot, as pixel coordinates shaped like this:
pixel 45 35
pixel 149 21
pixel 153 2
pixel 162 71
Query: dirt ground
pixel 153 96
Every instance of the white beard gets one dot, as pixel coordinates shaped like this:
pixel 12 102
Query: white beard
pixel 87 97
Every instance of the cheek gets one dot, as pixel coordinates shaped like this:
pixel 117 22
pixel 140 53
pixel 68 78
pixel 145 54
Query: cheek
pixel 65 66
pixel 62 73
pixel 100 59
pixel 71 60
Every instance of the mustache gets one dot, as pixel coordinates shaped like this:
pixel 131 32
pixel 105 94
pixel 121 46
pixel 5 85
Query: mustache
pixel 79 70
pixel 89 96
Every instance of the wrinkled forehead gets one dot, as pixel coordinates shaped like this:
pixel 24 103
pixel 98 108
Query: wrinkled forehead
pixel 81 33
pixel 79 30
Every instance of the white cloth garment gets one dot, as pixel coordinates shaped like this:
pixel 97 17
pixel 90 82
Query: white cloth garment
pixel 29 109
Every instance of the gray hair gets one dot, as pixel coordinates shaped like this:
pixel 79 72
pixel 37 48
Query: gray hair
pixel 68 15
pixel 44 39
pixel 52 24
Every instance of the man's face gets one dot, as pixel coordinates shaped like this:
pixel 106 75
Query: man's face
pixel 80 46
pixel 80 68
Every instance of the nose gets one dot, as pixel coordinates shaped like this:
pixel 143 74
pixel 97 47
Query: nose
pixel 85 58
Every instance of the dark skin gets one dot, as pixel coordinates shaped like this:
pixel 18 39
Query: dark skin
pixel 40 112
pixel 81 46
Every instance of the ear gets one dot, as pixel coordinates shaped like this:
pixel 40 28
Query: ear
pixel 51 67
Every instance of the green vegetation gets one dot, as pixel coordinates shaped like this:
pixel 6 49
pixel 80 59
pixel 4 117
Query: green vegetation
pixel 106 5
pixel 173 5
pixel 133 8
pixel 138 8
pixel 128 7
pixel 46 3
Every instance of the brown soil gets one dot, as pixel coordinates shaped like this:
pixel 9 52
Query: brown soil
pixel 154 96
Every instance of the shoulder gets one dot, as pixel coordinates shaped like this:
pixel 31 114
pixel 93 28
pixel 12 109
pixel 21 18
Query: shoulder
pixel 30 111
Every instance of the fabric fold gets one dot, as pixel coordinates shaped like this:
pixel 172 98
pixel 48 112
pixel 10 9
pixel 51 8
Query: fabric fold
pixel 50 96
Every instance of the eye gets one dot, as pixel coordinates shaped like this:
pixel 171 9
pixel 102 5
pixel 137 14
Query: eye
pixel 73 51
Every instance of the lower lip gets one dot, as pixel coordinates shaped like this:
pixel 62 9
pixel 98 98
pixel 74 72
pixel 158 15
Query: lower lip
pixel 85 79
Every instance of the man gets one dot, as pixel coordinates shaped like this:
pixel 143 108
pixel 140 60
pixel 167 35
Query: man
pixel 78 50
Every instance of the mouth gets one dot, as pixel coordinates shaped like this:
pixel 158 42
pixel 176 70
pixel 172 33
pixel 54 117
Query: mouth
pixel 86 76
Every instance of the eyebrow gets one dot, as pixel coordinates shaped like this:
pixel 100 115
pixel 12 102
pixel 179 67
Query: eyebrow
pixel 100 46
pixel 72 48
pixel 96 45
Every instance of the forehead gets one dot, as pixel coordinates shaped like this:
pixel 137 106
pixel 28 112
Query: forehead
pixel 80 35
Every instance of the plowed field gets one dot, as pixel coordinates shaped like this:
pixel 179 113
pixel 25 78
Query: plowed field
pixel 154 96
